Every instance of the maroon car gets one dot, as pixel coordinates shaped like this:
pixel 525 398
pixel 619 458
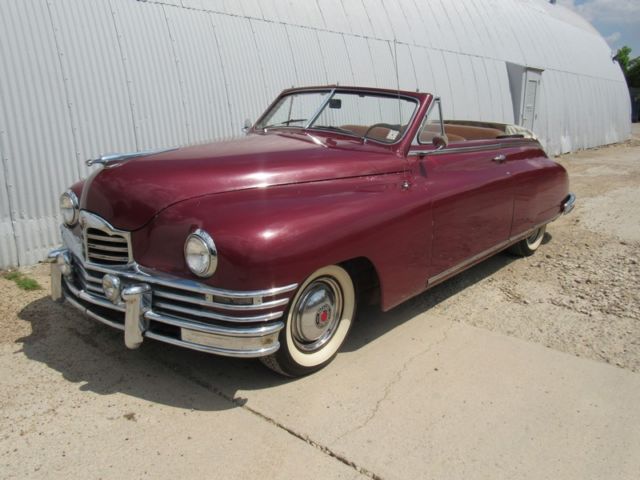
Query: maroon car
pixel 263 246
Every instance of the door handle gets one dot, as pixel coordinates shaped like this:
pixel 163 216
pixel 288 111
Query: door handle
pixel 499 159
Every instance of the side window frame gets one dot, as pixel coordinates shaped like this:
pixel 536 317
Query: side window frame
pixel 437 103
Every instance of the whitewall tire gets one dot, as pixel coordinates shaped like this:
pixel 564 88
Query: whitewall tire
pixel 529 245
pixel 317 323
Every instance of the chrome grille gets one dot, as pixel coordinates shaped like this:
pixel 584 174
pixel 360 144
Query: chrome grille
pixel 190 305
pixel 106 249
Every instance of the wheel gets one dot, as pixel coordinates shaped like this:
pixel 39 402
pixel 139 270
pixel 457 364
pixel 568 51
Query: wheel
pixel 317 323
pixel 528 246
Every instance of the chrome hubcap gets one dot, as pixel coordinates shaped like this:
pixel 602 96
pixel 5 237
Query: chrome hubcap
pixel 317 314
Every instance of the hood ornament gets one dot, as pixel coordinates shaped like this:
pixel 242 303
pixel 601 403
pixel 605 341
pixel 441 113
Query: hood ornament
pixel 110 158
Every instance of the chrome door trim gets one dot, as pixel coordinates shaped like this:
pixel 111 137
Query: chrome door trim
pixel 484 254
pixel 477 148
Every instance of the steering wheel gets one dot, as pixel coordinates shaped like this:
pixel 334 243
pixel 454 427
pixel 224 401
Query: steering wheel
pixel 383 125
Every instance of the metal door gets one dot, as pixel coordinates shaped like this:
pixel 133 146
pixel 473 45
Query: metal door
pixel 530 97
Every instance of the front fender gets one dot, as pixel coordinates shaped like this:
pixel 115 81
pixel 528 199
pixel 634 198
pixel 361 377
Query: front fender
pixel 280 235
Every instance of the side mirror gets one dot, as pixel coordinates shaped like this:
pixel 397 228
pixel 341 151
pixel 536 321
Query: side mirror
pixel 440 142
pixel 247 125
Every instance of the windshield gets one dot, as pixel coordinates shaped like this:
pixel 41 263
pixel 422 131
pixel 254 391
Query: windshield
pixel 379 117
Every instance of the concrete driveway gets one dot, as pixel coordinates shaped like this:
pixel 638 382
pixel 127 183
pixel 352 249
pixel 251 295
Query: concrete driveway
pixel 518 368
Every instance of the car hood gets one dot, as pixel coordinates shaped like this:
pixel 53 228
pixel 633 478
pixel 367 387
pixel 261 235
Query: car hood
pixel 130 193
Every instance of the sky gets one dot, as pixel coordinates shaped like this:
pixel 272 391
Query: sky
pixel 617 20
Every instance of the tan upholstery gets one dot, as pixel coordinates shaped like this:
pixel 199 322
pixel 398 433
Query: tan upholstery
pixel 472 133
pixel 455 133
pixel 377 133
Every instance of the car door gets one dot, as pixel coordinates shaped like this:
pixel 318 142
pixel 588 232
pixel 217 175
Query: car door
pixel 469 185
pixel 472 204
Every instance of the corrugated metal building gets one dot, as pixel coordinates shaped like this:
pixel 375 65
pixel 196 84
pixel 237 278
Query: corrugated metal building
pixel 84 77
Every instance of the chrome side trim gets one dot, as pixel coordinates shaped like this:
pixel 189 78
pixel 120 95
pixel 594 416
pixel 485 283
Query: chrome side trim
pixel 569 204
pixel 260 331
pixel 218 316
pixel 223 306
pixel 110 158
pixel 478 148
pixel 484 254
pixel 465 263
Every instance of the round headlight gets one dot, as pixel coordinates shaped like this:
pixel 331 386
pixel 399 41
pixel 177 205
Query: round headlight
pixel 69 208
pixel 200 253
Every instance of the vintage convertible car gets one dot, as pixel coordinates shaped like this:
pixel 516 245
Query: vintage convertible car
pixel 263 246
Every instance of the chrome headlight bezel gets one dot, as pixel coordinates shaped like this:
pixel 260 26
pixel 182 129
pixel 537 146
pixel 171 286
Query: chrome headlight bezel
pixel 69 203
pixel 199 243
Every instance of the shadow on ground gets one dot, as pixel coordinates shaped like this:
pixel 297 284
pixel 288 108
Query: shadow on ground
pixel 94 355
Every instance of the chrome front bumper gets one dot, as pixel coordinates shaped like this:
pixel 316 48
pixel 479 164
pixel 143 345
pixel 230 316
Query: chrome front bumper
pixel 171 310
pixel 568 204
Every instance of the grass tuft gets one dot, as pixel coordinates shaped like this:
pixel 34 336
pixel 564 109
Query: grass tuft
pixel 22 281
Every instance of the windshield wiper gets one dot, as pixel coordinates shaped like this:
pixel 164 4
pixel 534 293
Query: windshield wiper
pixel 334 129
pixel 286 123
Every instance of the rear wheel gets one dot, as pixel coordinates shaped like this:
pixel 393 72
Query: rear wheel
pixel 529 245
pixel 317 323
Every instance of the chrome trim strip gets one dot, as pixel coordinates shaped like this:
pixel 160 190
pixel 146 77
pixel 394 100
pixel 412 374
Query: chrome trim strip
pixel 252 353
pixel 87 297
pixel 107 257
pixel 104 238
pixel 260 331
pixel 465 263
pixel 223 306
pixel 110 158
pixel 217 316
pixel 478 148
pixel 486 253
pixel 216 350
pixel 95 316
pixel 108 249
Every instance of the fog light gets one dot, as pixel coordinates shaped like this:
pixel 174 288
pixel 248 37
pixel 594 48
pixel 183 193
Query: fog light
pixel 111 286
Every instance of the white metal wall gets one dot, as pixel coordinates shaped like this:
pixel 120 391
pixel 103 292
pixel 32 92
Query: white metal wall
pixel 83 77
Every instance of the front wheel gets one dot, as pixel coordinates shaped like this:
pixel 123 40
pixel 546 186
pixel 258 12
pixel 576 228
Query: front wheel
pixel 529 245
pixel 317 323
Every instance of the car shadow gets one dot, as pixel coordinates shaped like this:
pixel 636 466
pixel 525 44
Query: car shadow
pixel 93 355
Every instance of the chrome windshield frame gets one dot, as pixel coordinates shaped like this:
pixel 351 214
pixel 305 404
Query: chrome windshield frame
pixel 320 109
pixel 332 92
